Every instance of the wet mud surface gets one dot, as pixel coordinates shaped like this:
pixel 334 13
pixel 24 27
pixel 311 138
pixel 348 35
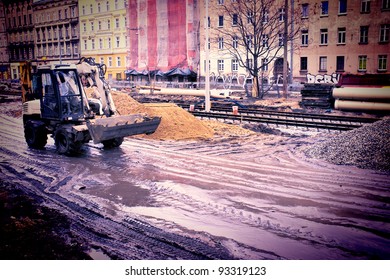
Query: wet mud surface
pixel 227 198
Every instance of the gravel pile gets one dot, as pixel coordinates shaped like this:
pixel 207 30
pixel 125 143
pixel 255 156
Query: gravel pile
pixel 367 147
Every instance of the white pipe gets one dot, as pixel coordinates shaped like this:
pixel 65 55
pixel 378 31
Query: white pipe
pixel 360 93
pixel 361 105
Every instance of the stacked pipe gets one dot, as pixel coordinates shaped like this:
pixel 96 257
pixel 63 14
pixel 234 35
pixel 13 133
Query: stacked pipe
pixel 362 98
pixel 317 95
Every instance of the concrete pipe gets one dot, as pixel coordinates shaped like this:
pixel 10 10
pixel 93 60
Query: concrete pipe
pixel 361 105
pixel 362 93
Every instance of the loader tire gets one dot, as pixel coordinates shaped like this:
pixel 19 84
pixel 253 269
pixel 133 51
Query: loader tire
pixel 65 144
pixel 35 134
pixel 112 143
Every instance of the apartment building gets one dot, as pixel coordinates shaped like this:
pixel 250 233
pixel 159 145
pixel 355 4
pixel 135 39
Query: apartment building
pixel 342 36
pixel 103 25
pixel 4 58
pixel 56 31
pixel 242 35
pixel 20 34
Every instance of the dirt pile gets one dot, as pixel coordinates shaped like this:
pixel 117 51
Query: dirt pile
pixel 176 123
pixel 366 147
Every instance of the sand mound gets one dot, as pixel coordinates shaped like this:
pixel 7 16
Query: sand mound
pixel 176 123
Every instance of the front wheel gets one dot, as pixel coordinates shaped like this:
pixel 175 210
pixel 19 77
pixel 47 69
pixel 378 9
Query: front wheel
pixel 112 143
pixel 35 134
pixel 65 144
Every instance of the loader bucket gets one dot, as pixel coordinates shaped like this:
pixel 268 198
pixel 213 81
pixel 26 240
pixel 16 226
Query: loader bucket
pixel 121 126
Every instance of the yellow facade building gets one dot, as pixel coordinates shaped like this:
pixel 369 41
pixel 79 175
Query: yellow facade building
pixel 103 34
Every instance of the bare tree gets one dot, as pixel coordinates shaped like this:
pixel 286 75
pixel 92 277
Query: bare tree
pixel 254 33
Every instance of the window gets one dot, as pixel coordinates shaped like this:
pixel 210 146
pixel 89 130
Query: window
pixel 342 7
pixel 265 18
pixel 305 37
pixel 91 8
pixel 92 27
pixel 85 45
pixel 250 17
pixel 117 41
pixel 324 8
pixel 59 14
pixel 341 35
pixel 323 63
pixel 235 42
pixel 362 63
pixel 280 37
pixel 109 43
pixel 382 62
pixel 384 33
pixel 249 41
pixel 324 36
pixel 117 23
pixel 100 43
pixel 108 8
pixel 220 43
pixel 264 64
pixel 264 40
pixel 116 5
pixel 305 10
pixel 102 60
pixel 108 24
pixel 235 19
pixel 340 63
pixel 93 43
pixel 84 27
pixel 99 25
pixel 220 21
pixel 249 63
pixel 220 65
pixel 282 14
pixel 363 39
pixel 110 61
pixel 220 2
pixel 234 65
pixel 365 6
pixel 99 8
pixel 385 4
pixel 118 61
pixel 303 64
pixel 83 10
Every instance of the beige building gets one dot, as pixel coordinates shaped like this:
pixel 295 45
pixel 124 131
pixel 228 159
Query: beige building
pixel 342 37
pixel 56 30
pixel 232 39
pixel 103 28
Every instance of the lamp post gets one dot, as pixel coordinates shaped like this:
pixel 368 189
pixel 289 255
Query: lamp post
pixel 207 54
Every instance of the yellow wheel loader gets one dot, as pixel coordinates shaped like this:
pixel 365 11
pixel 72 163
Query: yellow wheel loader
pixel 55 103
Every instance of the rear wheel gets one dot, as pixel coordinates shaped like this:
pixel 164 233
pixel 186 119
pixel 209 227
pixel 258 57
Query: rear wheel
pixel 65 144
pixel 112 143
pixel 35 134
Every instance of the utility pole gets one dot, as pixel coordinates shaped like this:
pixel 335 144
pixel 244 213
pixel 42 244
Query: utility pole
pixel 207 54
pixel 285 49
pixel 290 80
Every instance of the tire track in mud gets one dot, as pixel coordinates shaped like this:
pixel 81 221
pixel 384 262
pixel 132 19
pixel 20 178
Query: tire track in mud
pixel 343 202
pixel 42 175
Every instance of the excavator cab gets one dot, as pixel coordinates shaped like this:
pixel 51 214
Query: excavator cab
pixel 61 94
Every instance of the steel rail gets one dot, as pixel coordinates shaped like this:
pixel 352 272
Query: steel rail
pixel 277 121
pixel 224 108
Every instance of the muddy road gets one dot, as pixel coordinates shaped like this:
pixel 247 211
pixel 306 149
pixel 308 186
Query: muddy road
pixel 241 198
